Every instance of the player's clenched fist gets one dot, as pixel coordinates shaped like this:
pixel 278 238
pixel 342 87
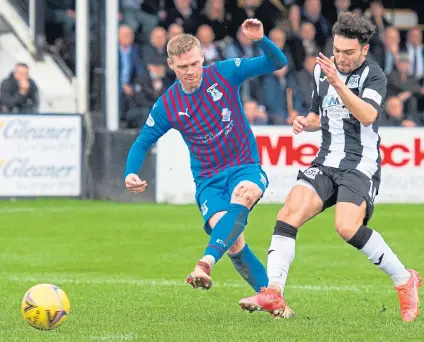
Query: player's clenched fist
pixel 134 183
pixel 299 124
pixel 253 29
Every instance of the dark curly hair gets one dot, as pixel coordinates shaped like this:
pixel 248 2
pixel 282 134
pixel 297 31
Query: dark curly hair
pixel 350 25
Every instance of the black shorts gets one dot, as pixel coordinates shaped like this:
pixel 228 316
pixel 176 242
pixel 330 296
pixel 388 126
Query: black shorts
pixel 334 185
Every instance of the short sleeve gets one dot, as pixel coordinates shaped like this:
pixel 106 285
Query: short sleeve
pixel 315 91
pixel 374 88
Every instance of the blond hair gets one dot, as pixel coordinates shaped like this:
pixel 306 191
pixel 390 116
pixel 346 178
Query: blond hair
pixel 181 44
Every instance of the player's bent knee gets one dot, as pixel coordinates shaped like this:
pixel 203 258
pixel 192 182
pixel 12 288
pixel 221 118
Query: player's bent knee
pixel 293 216
pixel 247 194
pixel 248 199
pixel 346 228
pixel 349 217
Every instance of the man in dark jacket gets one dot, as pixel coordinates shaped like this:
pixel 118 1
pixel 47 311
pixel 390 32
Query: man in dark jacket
pixel 394 115
pixel 404 86
pixel 62 13
pixel 19 93
pixel 147 88
pixel 305 81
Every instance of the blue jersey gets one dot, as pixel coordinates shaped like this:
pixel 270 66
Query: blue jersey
pixel 211 120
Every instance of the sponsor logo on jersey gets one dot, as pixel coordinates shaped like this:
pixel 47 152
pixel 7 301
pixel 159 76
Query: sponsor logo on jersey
pixel 226 114
pixel 334 108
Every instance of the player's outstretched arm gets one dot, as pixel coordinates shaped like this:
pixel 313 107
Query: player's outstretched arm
pixel 239 70
pixel 254 30
pixel 156 125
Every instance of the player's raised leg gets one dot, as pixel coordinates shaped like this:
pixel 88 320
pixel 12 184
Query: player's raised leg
pixel 302 203
pixel 350 219
pixel 244 260
pixel 225 233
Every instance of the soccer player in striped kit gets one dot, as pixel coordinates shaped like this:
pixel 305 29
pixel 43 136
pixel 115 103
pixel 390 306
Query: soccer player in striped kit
pixel 348 96
pixel 205 107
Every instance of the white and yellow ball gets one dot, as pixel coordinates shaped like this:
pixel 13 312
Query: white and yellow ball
pixel 45 306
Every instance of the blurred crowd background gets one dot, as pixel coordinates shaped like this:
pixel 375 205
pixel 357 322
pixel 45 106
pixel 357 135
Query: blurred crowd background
pixel 301 29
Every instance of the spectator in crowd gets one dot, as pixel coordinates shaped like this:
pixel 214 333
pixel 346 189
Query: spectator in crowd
pixel 174 30
pixel 276 96
pixel 271 13
pixel 130 67
pixel 292 24
pixel 300 28
pixel 415 51
pixel 245 10
pixel 61 13
pixel 19 93
pixel 214 15
pixel 60 29
pixel 305 82
pixel 240 48
pixel 183 14
pixel 393 114
pixel 278 37
pixel 312 13
pixel 303 45
pixel 378 19
pixel 211 49
pixel 387 54
pixel 135 17
pixel 256 114
pixel 147 88
pixel 338 7
pixel 404 86
pixel 155 50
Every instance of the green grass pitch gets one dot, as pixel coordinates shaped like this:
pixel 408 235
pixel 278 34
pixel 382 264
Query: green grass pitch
pixel 123 267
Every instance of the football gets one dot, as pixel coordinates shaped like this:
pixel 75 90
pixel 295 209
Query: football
pixel 45 306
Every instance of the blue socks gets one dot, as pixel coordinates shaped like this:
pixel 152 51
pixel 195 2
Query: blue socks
pixel 227 230
pixel 224 234
pixel 250 268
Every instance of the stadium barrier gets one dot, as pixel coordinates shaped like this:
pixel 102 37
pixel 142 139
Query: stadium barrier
pixel 40 155
pixel 283 154
pixel 107 164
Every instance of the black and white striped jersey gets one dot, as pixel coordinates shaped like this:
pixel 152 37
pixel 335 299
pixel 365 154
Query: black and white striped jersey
pixel 346 143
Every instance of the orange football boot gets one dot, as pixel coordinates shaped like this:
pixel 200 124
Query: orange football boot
pixel 409 297
pixel 267 300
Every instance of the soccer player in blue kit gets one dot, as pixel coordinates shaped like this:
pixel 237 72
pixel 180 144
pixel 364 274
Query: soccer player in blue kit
pixel 204 106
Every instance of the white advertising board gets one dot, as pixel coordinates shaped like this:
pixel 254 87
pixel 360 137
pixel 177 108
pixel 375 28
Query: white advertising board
pixel 283 154
pixel 40 155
